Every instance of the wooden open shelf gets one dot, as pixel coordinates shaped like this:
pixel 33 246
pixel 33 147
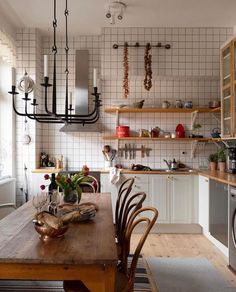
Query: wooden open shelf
pixel 161 110
pixel 163 139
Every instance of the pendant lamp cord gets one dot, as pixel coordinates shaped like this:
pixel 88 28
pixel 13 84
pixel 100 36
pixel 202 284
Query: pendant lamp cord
pixel 67 70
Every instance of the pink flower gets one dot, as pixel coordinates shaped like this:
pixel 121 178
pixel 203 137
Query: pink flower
pixel 46 176
pixel 42 187
pixel 85 170
pixel 68 180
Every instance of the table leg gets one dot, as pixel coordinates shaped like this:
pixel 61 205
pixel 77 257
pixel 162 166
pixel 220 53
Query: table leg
pixel 110 279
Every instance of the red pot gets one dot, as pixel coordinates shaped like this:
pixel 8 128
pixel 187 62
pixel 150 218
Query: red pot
pixel 122 131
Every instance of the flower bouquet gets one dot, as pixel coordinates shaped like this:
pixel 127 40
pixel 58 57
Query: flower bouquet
pixel 70 184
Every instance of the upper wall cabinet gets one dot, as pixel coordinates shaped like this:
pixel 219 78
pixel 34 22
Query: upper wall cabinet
pixel 228 89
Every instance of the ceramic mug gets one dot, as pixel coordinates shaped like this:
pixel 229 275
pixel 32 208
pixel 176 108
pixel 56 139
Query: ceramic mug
pixel 165 104
pixel 179 103
pixel 188 104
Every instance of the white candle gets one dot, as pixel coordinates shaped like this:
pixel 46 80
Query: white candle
pixel 70 98
pixel 13 76
pixel 45 59
pixel 94 77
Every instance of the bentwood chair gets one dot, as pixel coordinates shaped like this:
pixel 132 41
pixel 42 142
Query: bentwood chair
pixel 125 273
pixel 91 186
pixel 132 204
pixel 123 193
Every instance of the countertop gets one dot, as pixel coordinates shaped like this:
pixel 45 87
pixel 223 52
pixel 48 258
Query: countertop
pixel 47 170
pixel 128 171
pixel 224 177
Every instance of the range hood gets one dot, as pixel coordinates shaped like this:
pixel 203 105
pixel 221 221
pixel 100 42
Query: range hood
pixel 81 93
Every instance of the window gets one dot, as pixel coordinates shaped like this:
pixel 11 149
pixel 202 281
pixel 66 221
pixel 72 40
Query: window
pixel 7 122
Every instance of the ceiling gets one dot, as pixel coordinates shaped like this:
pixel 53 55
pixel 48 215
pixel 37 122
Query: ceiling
pixel 88 16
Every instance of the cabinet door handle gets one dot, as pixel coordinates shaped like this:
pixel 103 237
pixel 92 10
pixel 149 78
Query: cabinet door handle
pixel 206 180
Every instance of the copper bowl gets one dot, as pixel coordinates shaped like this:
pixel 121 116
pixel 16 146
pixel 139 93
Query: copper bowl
pixel 48 232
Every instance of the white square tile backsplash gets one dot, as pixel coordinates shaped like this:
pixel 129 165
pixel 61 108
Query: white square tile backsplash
pixel 188 71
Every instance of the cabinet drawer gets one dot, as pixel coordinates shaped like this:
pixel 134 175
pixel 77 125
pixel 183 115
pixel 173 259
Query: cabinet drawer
pixel 139 178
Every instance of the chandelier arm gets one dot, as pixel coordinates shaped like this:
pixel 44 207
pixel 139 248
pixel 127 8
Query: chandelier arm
pixel 77 121
pixel 14 106
pixel 86 118
pixel 96 107
pixel 46 85
pixel 59 116
pixel 87 121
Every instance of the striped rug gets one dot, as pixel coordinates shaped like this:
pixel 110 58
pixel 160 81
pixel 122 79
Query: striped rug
pixel 142 283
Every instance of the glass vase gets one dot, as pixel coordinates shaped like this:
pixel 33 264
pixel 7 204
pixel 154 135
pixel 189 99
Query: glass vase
pixel 72 196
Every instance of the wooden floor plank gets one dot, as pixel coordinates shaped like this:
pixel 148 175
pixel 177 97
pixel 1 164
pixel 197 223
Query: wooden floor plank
pixel 185 245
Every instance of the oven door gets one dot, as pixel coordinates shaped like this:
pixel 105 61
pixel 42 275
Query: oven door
pixel 218 211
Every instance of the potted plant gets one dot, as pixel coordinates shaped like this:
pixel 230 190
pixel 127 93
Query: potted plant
pixel 221 159
pixel 213 158
pixel 195 130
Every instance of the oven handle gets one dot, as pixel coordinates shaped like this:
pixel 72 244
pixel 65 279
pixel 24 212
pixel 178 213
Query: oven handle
pixel 233 229
pixel 233 197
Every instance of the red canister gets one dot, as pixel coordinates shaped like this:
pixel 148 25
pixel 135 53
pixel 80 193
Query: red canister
pixel 180 132
pixel 122 131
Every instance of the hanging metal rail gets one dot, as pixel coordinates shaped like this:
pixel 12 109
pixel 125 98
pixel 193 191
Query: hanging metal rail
pixel 137 45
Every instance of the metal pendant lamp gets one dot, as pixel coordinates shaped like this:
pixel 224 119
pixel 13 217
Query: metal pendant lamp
pixel 51 115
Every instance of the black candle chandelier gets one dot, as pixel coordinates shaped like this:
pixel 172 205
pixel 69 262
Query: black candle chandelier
pixel 51 116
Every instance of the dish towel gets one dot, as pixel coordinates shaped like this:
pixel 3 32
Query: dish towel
pixel 114 175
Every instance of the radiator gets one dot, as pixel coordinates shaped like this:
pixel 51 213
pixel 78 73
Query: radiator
pixel 7 196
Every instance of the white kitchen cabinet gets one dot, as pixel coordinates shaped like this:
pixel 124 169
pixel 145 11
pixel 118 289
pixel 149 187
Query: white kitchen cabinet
pixel 181 198
pixel 174 197
pixel 107 187
pixel 203 203
pixel 160 196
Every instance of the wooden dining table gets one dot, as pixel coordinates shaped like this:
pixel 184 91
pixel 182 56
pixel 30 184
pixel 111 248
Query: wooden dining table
pixel 87 251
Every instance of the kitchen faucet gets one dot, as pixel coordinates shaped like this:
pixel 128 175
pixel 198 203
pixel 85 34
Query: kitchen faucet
pixel 172 165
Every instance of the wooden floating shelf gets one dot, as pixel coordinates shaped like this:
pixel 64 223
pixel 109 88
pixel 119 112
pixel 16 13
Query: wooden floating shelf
pixel 161 110
pixel 163 139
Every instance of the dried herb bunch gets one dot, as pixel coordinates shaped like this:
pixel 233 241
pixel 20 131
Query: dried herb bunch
pixel 126 71
pixel 148 68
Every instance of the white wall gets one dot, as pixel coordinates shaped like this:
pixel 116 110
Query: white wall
pixel 188 71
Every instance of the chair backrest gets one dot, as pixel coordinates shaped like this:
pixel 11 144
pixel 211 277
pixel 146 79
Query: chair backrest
pixel 135 219
pixel 87 187
pixel 132 204
pixel 122 196
pixel 91 186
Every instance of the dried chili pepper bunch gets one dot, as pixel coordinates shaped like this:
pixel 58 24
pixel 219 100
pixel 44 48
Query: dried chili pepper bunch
pixel 148 68
pixel 126 72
